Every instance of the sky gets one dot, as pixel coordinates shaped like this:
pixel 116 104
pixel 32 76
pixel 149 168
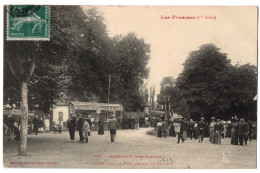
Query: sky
pixel 233 29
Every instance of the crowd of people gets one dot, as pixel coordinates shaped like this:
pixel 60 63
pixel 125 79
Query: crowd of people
pixel 12 125
pixel 239 131
pixel 84 126
pixel 135 121
pixel 11 128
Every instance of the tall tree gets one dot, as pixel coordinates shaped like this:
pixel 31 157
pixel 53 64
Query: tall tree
pixel 167 92
pixel 41 57
pixel 91 68
pixel 238 86
pixel 210 86
pixel 152 95
pixel 144 93
pixel 132 55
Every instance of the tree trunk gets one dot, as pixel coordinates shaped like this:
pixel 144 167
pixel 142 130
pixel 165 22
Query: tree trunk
pixel 24 120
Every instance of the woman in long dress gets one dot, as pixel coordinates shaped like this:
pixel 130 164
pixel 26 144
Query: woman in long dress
pixel 196 131
pixel 211 130
pixel 101 127
pixel 229 128
pixel 234 133
pixel 159 129
pixel 172 130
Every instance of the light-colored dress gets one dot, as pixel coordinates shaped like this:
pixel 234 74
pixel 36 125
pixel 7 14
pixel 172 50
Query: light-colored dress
pixel 47 124
pixel 177 127
pixel 211 132
pixel 86 129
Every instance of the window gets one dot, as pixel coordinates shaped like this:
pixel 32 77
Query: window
pixel 61 116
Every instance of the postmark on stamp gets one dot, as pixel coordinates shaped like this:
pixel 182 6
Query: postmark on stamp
pixel 28 22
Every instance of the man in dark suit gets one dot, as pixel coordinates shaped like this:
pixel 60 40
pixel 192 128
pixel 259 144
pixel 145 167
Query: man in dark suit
pixel 79 127
pixel 201 128
pixel 218 130
pixel 243 129
pixel 132 122
pixel 10 123
pixel 180 126
pixel 191 125
pixel 36 122
pixel 72 125
pixel 112 126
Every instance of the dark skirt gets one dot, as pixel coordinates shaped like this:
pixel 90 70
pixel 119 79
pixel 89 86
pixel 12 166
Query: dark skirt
pixel 159 132
pixel 228 135
pixel 132 125
pixel 196 133
pixel 172 132
pixel 234 137
pixel 100 130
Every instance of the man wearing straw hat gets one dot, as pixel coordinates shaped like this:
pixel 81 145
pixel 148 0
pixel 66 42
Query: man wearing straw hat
pixel 201 127
pixel 218 131
pixel 112 126
pixel 242 131
pixel 179 129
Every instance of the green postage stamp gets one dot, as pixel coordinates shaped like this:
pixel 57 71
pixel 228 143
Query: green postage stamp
pixel 28 22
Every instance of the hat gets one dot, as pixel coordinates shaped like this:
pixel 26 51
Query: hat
pixel 213 118
pixel 179 116
pixel 202 118
pixel 218 120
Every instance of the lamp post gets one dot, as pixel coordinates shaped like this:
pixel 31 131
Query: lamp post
pixel 109 81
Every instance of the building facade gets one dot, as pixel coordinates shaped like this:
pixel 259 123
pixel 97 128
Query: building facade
pixel 95 111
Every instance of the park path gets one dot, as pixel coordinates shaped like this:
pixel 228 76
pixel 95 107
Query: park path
pixel 53 150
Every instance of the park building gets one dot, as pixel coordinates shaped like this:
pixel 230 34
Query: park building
pixel 94 111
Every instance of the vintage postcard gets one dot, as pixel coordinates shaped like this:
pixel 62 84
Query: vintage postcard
pixel 130 87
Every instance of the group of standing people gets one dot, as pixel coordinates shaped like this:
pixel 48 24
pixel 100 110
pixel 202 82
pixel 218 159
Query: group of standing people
pixel 239 131
pixel 180 126
pixel 12 126
pixel 135 121
pixel 84 126
pixel 36 123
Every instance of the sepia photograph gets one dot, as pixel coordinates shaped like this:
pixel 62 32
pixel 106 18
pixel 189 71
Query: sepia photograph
pixel 129 87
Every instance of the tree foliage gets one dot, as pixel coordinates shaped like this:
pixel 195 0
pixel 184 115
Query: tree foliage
pixel 210 86
pixel 132 55
pixel 167 90
pixel 51 58
pixel 77 61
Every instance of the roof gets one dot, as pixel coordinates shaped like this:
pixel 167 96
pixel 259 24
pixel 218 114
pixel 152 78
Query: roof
pixel 94 104
pixel 157 112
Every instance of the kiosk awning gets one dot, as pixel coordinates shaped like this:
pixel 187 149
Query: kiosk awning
pixel 96 106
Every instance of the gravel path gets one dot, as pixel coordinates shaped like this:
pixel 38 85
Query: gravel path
pixel 132 149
